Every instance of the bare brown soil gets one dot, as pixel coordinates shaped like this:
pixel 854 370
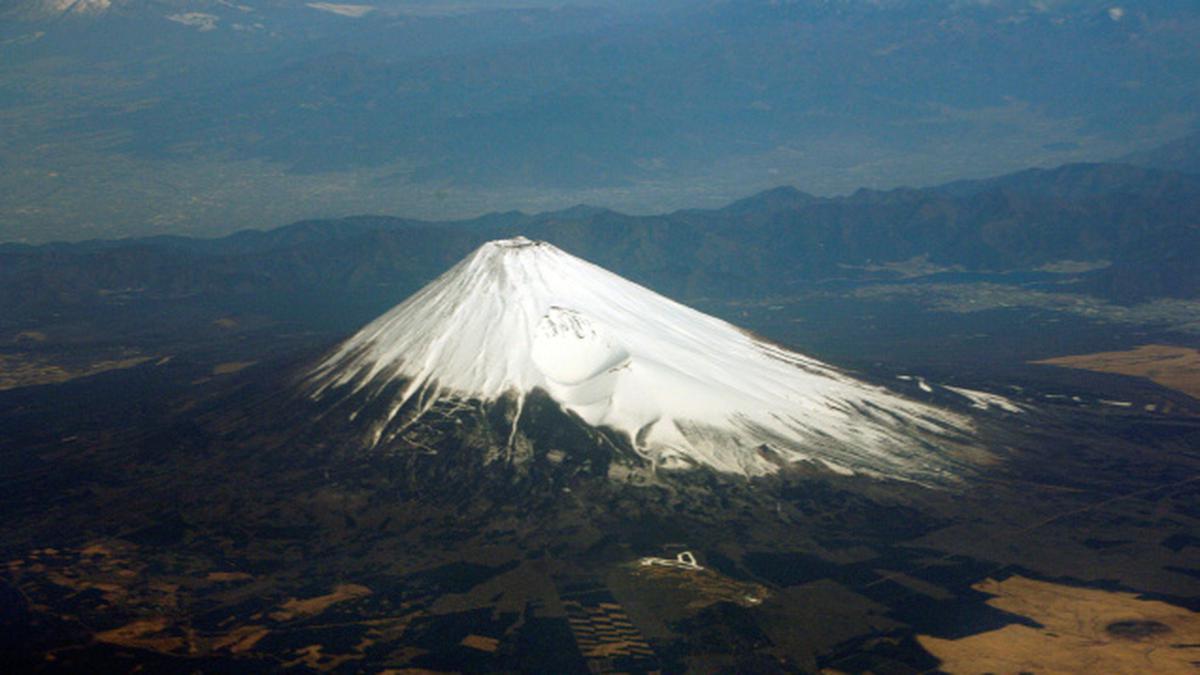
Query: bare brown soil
pixel 312 606
pixel 231 367
pixel 22 371
pixel 143 608
pixel 483 644
pixel 1177 368
pixel 1075 634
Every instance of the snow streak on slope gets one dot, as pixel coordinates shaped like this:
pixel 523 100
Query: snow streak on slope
pixel 687 388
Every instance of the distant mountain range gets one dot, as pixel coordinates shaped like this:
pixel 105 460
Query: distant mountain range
pixel 202 116
pixel 1179 155
pixel 611 104
pixel 1124 232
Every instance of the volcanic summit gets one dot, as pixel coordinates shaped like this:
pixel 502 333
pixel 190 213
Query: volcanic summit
pixel 685 389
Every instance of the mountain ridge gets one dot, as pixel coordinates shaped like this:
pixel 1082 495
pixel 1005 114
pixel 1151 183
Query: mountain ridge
pixel 1120 220
pixel 625 104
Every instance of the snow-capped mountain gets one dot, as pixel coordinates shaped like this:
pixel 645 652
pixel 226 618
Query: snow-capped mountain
pixel 686 389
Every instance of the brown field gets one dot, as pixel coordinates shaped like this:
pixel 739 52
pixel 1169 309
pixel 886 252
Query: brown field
pixel 140 608
pixel 24 371
pixel 312 606
pixel 1083 631
pixel 241 639
pixel 222 577
pixel 480 642
pixel 231 367
pixel 1176 368
pixel 143 634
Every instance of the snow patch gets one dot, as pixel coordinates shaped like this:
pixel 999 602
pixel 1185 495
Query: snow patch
pixel 198 20
pixel 351 11
pixel 53 7
pixel 984 400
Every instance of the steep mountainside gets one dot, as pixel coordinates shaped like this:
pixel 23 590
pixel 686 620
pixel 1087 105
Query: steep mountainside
pixel 683 389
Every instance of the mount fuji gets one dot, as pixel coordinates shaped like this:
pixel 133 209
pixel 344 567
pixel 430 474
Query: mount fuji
pixel 675 388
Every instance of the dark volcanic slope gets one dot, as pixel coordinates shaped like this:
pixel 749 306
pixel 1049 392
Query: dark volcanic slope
pixel 229 527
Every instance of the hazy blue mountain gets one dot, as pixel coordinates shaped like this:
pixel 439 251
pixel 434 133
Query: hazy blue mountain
pixel 422 110
pixel 1133 234
pixel 1182 154
pixel 689 89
